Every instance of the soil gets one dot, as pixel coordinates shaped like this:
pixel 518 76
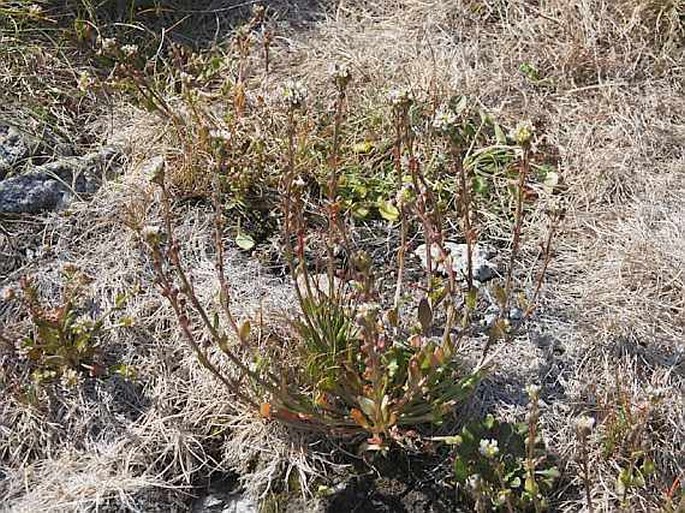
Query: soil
pixel 409 484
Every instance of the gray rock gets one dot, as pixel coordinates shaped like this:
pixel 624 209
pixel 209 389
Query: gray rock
pixel 217 502
pixel 516 314
pixel 13 149
pixel 483 269
pixel 51 186
pixel 17 147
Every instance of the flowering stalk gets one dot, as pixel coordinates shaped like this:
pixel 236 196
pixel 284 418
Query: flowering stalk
pixel 584 426
pixel 466 214
pixel 400 105
pixel 177 298
pixel 555 216
pixel 523 135
pixel 341 77
pixel 490 450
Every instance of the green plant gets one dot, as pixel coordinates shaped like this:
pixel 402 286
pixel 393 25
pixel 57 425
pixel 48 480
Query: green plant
pixel 63 341
pixel 625 439
pixel 504 466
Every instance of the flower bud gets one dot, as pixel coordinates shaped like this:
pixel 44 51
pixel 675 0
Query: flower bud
pixel 341 75
pixel 523 133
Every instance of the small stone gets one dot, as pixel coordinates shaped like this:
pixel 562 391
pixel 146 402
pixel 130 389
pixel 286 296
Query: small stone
pixel 516 314
pixel 14 148
pixel 483 270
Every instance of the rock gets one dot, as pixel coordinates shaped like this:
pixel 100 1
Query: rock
pixel 17 147
pixel 217 502
pixel 516 314
pixel 483 269
pixel 13 149
pixel 52 185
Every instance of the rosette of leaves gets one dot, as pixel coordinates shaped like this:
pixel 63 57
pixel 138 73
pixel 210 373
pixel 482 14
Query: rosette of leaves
pixel 63 339
pixel 360 379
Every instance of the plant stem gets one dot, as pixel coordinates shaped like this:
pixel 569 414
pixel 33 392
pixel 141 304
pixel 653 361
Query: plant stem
pixel 466 212
pixel 586 473
pixel 518 224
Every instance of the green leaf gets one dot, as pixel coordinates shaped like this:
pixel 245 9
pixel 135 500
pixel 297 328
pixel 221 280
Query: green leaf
pixel 531 486
pixel 367 406
pixel 500 136
pixel 392 367
pixel 471 299
pixel 500 295
pixel 244 241
pixel 425 315
pixel 648 468
pixel 388 211
pixel 448 440
pixel 461 105
pixel 461 470
pixel 480 185
pixel 362 147
pixel 359 211
pixel 244 332
pixel 119 300
pixel 549 473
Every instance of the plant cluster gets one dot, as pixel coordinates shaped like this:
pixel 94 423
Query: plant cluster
pixel 360 361
pixel 61 342
pixel 504 466
pixel 626 438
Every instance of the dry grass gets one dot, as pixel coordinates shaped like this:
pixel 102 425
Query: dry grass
pixel 610 98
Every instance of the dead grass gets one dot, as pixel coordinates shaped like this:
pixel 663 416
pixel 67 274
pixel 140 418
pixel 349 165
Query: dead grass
pixel 610 98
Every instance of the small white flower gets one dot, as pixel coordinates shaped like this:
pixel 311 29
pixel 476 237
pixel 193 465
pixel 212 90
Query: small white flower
pixel 367 312
pixel 533 391
pixel 220 133
pixel 151 234
pixel 129 50
pixel 405 195
pixel 70 378
pixel 7 293
pixel 35 10
pixel 488 448
pixel 445 119
pixel 340 73
pixel 293 94
pixel 106 44
pixel 85 81
pixel 655 393
pixel 399 97
pixel 474 481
